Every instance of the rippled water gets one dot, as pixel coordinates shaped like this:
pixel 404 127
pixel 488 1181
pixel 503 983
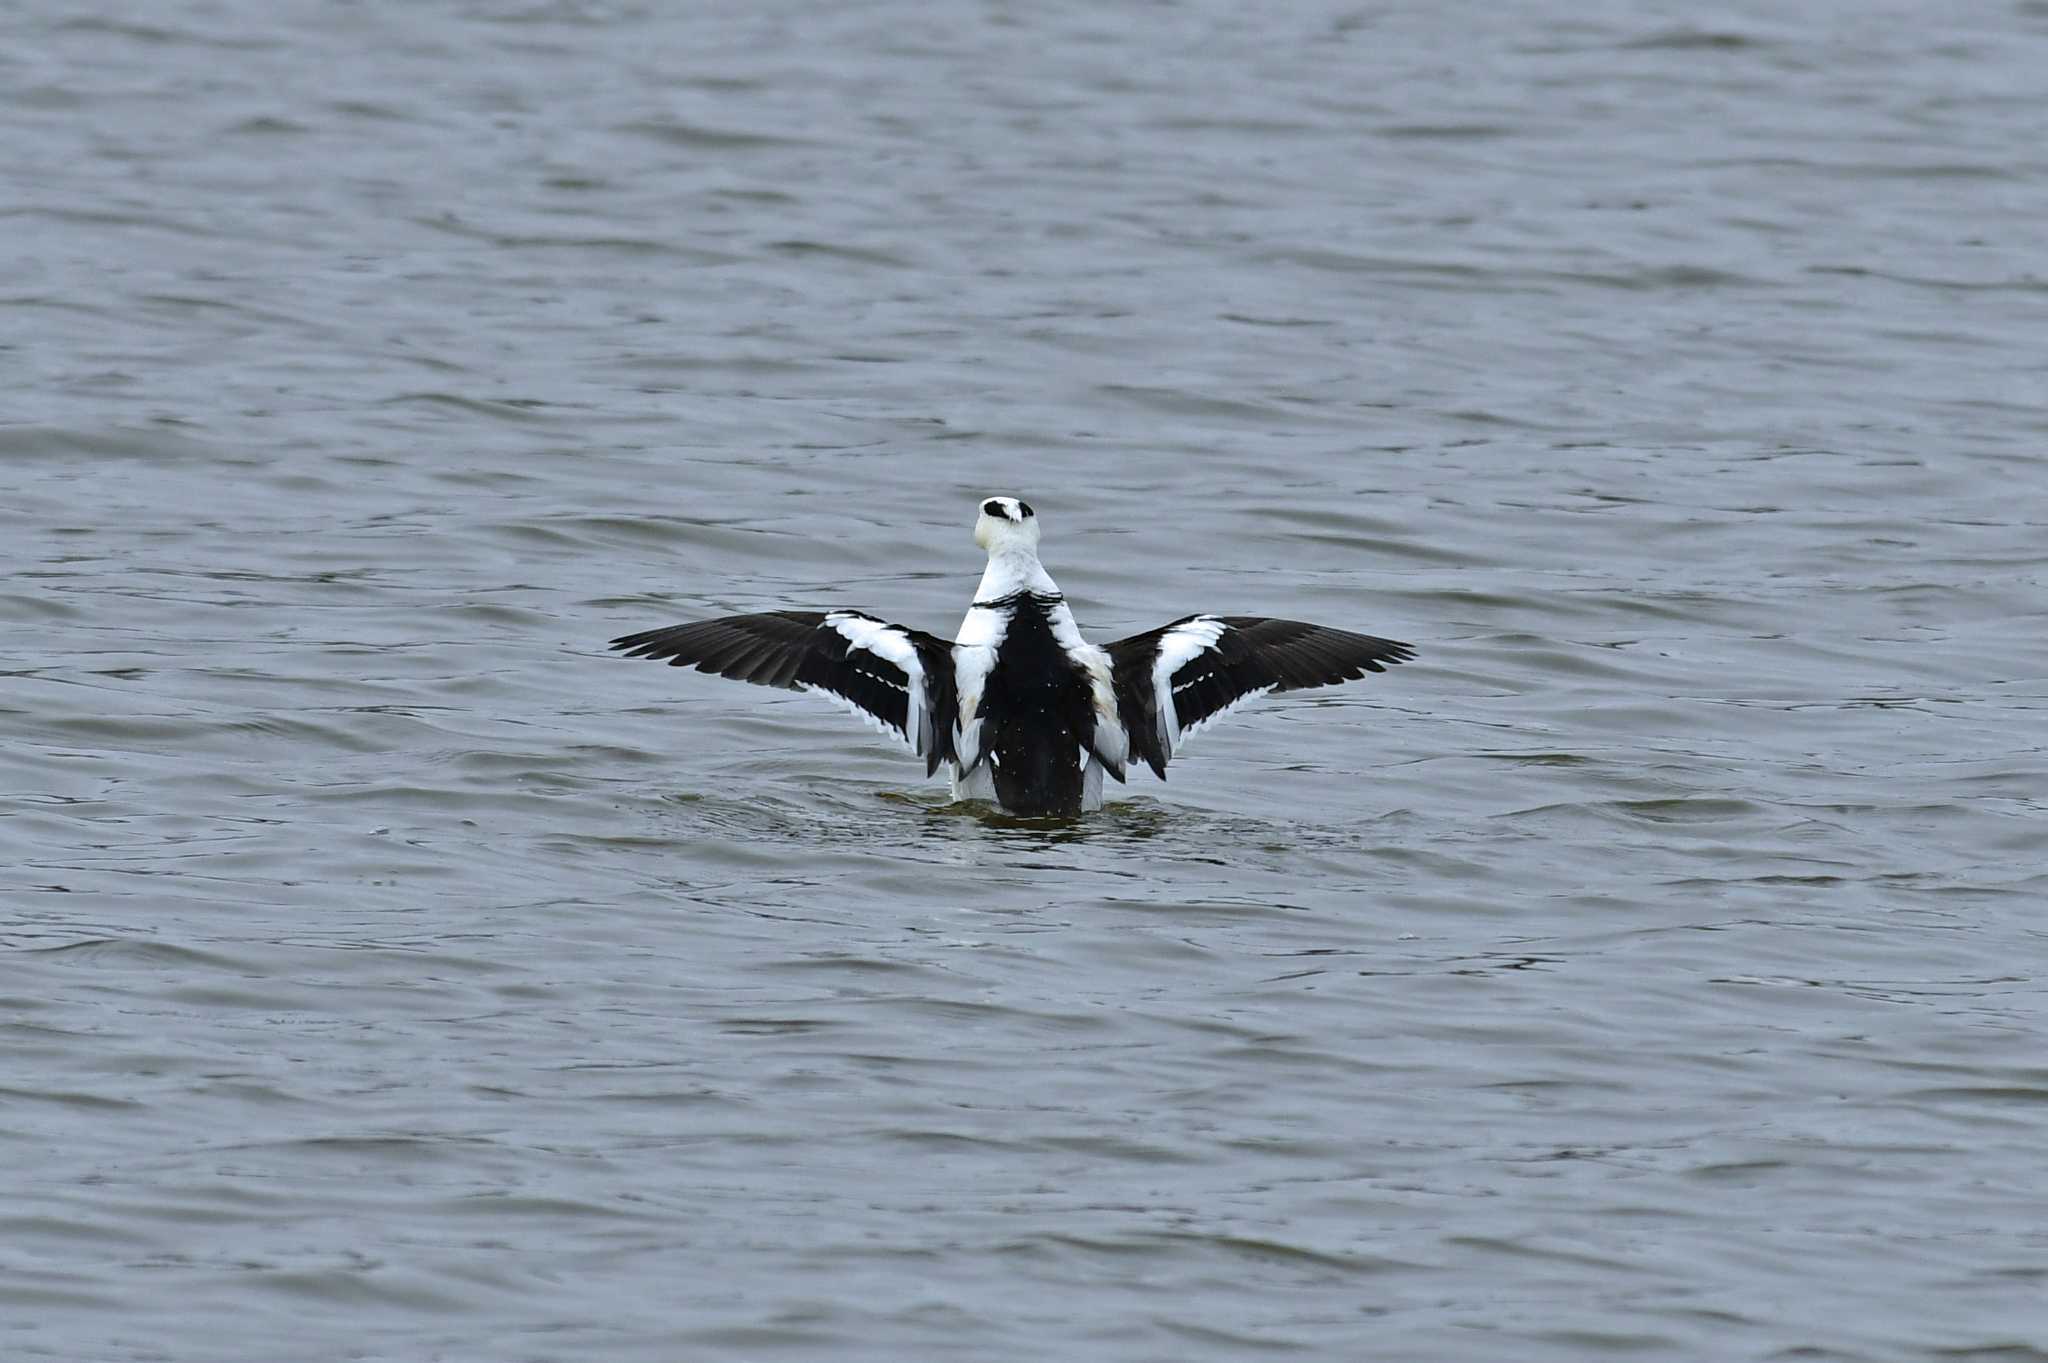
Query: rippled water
pixel 1652 969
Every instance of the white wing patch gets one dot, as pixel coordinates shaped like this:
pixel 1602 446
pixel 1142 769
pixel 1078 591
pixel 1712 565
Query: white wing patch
pixel 1111 743
pixel 1178 647
pixel 974 657
pixel 891 644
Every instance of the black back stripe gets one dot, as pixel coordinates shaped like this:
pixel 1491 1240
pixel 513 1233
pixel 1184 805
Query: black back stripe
pixel 1037 714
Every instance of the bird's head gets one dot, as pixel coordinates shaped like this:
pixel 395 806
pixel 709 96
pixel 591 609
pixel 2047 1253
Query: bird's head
pixel 1006 523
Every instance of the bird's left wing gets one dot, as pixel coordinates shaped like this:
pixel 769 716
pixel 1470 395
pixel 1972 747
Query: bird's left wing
pixel 1172 680
pixel 900 679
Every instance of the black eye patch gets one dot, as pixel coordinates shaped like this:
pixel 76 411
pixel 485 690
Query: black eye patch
pixel 994 509
pixel 1024 507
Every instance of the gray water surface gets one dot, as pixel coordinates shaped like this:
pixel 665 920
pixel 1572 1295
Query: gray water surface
pixel 1650 970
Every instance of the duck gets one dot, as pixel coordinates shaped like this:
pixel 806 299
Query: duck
pixel 1018 707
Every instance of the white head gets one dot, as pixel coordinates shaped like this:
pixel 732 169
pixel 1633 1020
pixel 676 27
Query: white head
pixel 1006 525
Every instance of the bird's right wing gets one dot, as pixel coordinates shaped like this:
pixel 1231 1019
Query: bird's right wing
pixel 1172 680
pixel 899 679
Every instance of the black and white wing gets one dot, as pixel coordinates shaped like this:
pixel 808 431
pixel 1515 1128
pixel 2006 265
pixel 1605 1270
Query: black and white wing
pixel 901 679
pixel 1172 680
